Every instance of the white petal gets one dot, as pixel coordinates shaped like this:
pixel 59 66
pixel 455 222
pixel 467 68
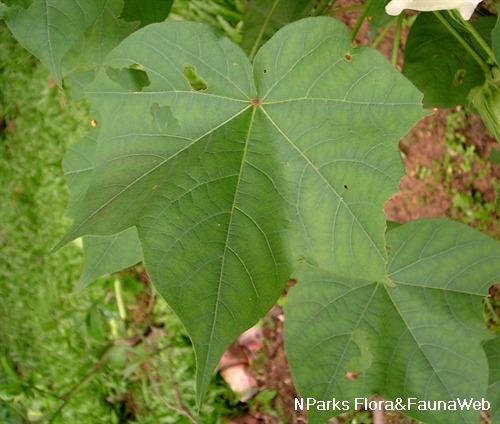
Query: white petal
pixel 465 7
pixel 395 7
pixel 466 10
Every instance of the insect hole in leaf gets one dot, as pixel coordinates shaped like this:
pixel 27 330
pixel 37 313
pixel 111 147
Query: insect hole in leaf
pixel 195 81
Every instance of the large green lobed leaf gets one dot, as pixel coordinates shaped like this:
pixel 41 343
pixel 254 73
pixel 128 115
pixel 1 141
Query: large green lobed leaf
pixel 350 338
pixel 233 174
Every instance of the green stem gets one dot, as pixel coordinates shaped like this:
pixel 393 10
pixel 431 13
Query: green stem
pixel 475 33
pixel 361 18
pixel 321 7
pixel 463 42
pixel 119 300
pixel 345 9
pixel 383 33
pixel 397 39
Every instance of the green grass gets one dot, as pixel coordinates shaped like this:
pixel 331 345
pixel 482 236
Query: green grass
pixel 41 336
pixel 468 205
pixel 226 15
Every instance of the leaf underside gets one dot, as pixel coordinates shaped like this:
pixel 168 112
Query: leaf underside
pixel 236 174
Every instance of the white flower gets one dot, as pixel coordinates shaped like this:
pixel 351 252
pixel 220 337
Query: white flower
pixel 465 7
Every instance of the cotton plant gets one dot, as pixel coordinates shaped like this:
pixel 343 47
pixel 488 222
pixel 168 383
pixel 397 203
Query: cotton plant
pixel 230 171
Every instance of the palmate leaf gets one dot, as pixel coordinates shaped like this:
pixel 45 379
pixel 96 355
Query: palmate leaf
pixel 422 337
pixel 234 174
pixel 108 254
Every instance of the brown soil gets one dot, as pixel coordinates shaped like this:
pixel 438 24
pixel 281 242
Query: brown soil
pixel 430 195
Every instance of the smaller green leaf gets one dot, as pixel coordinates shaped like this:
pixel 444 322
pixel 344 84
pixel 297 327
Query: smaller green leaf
pixel 146 12
pixel 90 50
pixel 438 65
pixel 262 18
pixel 378 17
pixel 93 324
pixel 104 255
pixel 494 156
pixel 49 28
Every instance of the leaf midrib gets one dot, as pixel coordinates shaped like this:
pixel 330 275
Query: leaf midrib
pixel 226 248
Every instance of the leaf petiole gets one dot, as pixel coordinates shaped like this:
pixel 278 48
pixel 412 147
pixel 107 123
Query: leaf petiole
pixel 323 4
pixel 361 18
pixel 475 33
pixel 397 39
pixel 383 33
pixel 463 42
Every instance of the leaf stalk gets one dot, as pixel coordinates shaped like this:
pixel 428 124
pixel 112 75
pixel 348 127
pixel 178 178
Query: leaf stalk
pixel 361 18
pixel 323 4
pixel 475 33
pixel 397 39
pixel 460 38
